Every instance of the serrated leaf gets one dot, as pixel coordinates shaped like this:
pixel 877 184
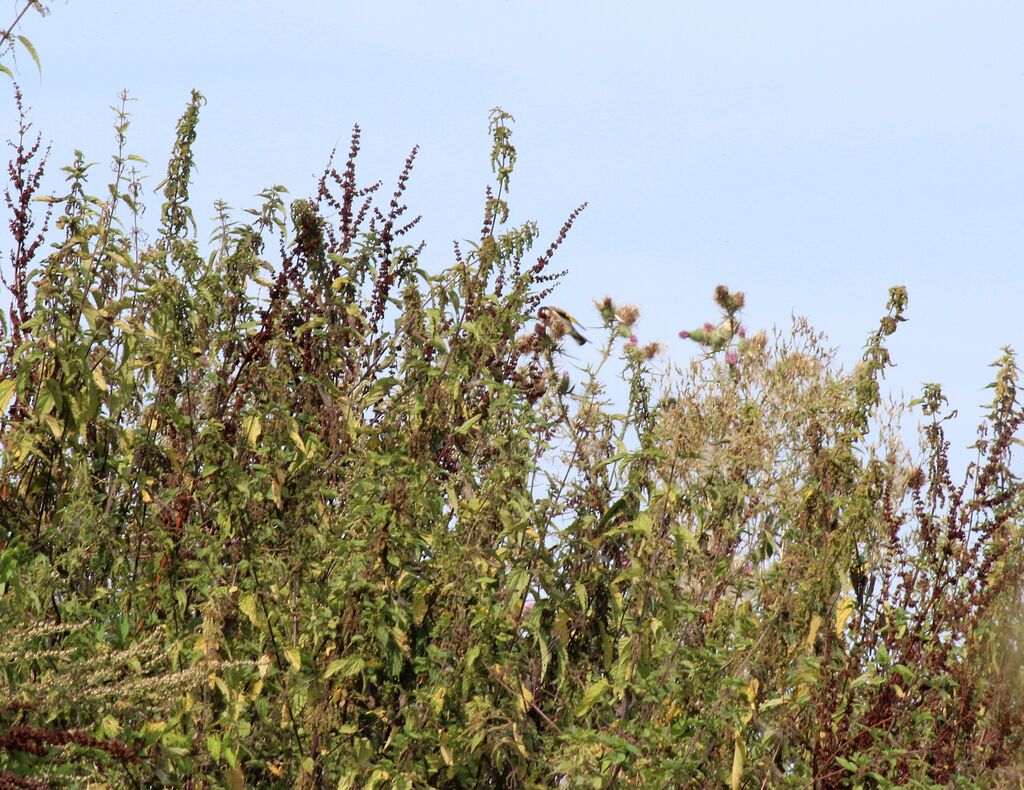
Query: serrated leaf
pixel 739 759
pixel 402 640
pixel 545 655
pixel 247 605
pixel 419 606
pixel 213 744
pixel 31 51
pixel 101 382
pixel 581 595
pixel 54 425
pixel 252 425
pixel 6 394
pixel 348 667
pixel 590 697
pixel 234 777
pixel 294 657
pixel 812 631
pixel 843 613
pixel 110 726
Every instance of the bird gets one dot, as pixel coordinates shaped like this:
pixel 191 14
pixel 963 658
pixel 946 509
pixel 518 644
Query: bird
pixel 560 323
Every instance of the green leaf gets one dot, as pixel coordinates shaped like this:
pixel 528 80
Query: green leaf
pixel 31 51
pixel 591 696
pixel 348 667
pixel 213 744
pixel 247 605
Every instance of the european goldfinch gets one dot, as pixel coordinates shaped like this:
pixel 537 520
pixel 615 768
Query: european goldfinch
pixel 559 323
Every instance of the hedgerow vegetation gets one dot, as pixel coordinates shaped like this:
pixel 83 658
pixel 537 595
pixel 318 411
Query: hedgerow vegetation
pixel 292 510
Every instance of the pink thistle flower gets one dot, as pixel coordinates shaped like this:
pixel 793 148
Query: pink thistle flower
pixel 684 334
pixel 742 331
pixel 633 340
pixel 709 327
pixel 731 357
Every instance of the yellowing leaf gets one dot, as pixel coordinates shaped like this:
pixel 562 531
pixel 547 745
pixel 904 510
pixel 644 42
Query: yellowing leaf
pixel 101 382
pixel 294 657
pixel 401 640
pixel 247 605
pixel 446 755
pixel 751 690
pixel 252 425
pixel 739 759
pixel 812 631
pixel 843 613
pixel 6 394
pixel 526 697
pixel 54 425
pixel 234 777
pixel 437 698
pixel 110 726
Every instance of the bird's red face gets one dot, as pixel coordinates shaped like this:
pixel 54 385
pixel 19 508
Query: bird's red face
pixel 543 314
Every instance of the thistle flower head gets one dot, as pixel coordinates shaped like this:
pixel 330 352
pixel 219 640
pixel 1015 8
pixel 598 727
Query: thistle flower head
pixel 606 307
pixel 731 302
pixel 627 314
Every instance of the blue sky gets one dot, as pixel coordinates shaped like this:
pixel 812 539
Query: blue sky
pixel 811 154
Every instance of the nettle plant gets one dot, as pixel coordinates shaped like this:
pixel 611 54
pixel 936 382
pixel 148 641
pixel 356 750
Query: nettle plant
pixel 295 511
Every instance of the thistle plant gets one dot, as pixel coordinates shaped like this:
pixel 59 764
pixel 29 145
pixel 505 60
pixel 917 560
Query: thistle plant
pixel 304 507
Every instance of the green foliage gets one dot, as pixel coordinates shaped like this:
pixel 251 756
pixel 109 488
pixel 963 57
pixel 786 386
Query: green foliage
pixel 323 518
pixel 8 38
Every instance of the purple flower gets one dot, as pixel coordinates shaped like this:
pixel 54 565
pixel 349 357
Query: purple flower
pixel 731 357
pixel 684 334
pixel 709 327
pixel 742 331
pixel 633 340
